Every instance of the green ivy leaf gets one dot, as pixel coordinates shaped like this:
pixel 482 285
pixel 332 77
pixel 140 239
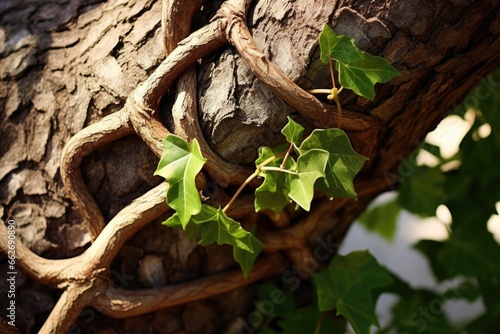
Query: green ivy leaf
pixel 343 162
pixel 361 75
pixel 179 165
pixel 274 301
pixel 382 219
pixel 358 70
pixel 273 192
pixel 412 315
pixel 347 286
pixel 306 320
pixel 422 192
pixel 310 167
pixel 211 225
pixel 486 323
pixel 464 252
pixel 293 131
pixel 215 226
pixel 431 249
pixel 339 47
pixel 192 230
pixel 173 221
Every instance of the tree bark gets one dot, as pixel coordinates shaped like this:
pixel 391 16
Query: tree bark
pixel 68 64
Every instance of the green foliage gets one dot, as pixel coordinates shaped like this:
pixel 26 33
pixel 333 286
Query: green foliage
pixel 382 219
pixel 310 167
pixel 470 254
pixel 283 316
pixel 307 320
pixel 347 286
pixel 282 303
pixel 358 70
pixel 293 132
pixel 413 314
pixel 423 192
pixel 343 162
pixel 324 161
pixel 179 165
pixel 324 155
pixel 273 192
pixel 211 225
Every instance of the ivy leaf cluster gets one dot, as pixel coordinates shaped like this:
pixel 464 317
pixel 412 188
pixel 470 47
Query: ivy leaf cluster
pixel 349 287
pixel 324 160
pixel 179 165
pixel 358 70
pixel 320 162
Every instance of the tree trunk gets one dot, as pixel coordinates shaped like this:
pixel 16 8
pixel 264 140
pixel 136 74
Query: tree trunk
pixel 67 64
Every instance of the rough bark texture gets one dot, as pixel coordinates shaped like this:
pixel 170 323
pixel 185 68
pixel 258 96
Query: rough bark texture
pixel 66 64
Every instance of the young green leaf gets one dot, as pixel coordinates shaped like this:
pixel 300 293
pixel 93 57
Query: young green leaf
pixel 339 47
pixel 310 167
pixel 293 131
pixel 361 75
pixel 358 70
pixel 192 230
pixel 179 165
pixel 273 192
pixel 215 226
pixel 347 284
pixel 246 258
pixel 173 221
pixel 343 162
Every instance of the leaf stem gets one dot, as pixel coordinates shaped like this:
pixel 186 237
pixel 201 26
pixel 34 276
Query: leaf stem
pixel 335 97
pixel 332 93
pixel 279 169
pixel 247 181
pixel 331 70
pixel 318 324
pixel 339 112
pixel 251 177
pixel 287 154
pixel 319 91
pixel 269 160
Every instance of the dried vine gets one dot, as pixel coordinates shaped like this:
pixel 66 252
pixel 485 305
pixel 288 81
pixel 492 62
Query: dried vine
pixel 85 279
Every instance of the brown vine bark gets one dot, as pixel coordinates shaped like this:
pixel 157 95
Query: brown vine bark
pixel 87 95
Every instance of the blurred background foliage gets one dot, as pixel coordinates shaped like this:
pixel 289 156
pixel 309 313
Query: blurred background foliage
pixel 453 177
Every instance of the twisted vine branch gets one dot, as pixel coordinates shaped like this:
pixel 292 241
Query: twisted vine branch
pixel 85 279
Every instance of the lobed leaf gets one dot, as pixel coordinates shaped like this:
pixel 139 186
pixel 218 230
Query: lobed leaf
pixel 310 167
pixel 293 131
pixel 273 192
pixel 179 165
pixel 347 286
pixel 361 75
pixel 343 162
pixel 215 226
pixel 422 192
pixel 382 219
pixel 358 70
pixel 339 47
